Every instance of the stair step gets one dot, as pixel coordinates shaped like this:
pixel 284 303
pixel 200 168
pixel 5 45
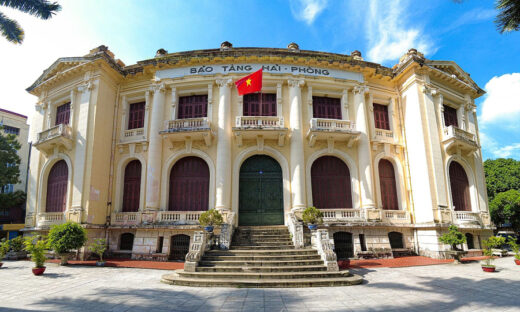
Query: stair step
pixel 260 247
pixel 252 269
pixel 256 263
pixel 252 252
pixel 261 257
pixel 262 275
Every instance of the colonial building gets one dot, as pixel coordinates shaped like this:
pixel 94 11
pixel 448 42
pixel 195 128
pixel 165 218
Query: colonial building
pixel 12 219
pixel 390 155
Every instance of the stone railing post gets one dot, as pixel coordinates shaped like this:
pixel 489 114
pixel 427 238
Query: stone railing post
pixel 198 246
pixel 325 246
pixel 296 230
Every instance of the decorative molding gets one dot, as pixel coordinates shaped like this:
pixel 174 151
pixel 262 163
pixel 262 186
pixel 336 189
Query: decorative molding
pixel 361 89
pixel 226 82
pixel 296 83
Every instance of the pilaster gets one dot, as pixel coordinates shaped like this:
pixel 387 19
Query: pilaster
pixel 223 167
pixel 297 158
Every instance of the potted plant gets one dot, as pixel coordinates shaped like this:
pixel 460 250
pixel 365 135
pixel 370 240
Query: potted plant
pixel 312 216
pixel 210 218
pixel 515 248
pixel 63 238
pixel 489 244
pixel 36 246
pixel 98 247
pixel 4 247
pixel 454 238
pixel 16 249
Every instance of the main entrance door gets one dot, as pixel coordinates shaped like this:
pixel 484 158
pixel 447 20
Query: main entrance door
pixel 260 192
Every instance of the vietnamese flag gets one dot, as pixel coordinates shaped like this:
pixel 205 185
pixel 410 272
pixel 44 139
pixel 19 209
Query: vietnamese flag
pixel 250 83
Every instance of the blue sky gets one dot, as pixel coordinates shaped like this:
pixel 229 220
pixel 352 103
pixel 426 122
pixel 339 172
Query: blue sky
pixel 381 29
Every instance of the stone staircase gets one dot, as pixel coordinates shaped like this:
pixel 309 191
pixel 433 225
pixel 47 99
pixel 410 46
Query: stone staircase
pixel 261 257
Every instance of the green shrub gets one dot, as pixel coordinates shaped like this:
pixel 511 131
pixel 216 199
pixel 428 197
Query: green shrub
pixel 514 247
pixel 16 244
pixel 4 248
pixel 312 215
pixel 98 247
pixel 489 244
pixel 65 237
pixel 36 246
pixel 453 238
pixel 210 218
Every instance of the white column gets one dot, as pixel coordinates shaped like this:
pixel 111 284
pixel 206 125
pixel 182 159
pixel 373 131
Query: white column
pixel 297 159
pixel 440 107
pixel 123 117
pixel 344 105
pixel 173 104
pixel 279 102
pixel 146 113
pixel 153 171
pixel 73 104
pixel 223 170
pixel 364 156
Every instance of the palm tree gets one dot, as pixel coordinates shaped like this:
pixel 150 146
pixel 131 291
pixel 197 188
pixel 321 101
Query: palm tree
pixel 509 17
pixel 11 30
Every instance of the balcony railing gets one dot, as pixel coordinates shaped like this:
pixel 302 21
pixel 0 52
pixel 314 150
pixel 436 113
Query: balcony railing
pixel 342 215
pixel 188 130
pixel 50 218
pixel 320 124
pixel 332 130
pixel 179 217
pixel 396 216
pixel 455 132
pixel 457 139
pixel 189 124
pixel 259 122
pixel 383 135
pixel 60 135
pixel 126 218
pixel 466 216
pixel 132 135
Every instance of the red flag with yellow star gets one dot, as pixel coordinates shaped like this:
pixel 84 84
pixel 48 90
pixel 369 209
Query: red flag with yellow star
pixel 250 83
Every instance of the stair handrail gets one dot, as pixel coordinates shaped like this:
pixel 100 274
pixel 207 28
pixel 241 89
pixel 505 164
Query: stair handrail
pixel 321 241
pixel 198 245
pixel 226 230
pixel 296 230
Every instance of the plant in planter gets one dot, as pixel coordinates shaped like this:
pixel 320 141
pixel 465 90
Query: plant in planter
pixel 210 218
pixel 98 247
pixel 63 238
pixel 16 249
pixel 489 244
pixel 4 247
pixel 312 216
pixel 37 245
pixel 454 238
pixel 515 248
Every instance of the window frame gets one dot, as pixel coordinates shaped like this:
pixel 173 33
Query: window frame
pixel 378 122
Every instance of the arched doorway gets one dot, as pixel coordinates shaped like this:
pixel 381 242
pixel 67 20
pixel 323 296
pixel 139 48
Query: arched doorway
pixel 56 200
pixel 189 185
pixel 459 187
pixel 330 180
pixel 396 240
pixel 260 192
pixel 387 185
pixel 343 245
pixel 469 241
pixel 179 247
pixel 132 186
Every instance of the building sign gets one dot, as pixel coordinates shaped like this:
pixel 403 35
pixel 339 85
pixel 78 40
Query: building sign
pixel 249 68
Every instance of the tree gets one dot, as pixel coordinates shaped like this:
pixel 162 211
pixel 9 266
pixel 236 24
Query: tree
pixel 501 175
pixel 9 159
pixel 11 30
pixel 505 208
pixel 508 18
pixel 453 238
pixel 65 237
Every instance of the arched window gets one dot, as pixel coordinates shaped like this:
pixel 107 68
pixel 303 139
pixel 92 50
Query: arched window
pixel 57 187
pixel 127 241
pixel 132 186
pixel 330 180
pixel 343 245
pixel 387 185
pixel 469 241
pixel 189 185
pixel 459 187
pixel 179 247
pixel 396 240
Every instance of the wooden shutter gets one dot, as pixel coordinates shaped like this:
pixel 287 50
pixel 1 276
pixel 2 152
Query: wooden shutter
pixel 254 107
pixel 132 186
pixel 136 115
pixel 450 116
pixel 325 107
pixel 57 187
pixel 189 185
pixel 459 187
pixel 193 106
pixel 330 180
pixel 381 117
pixel 387 184
pixel 63 114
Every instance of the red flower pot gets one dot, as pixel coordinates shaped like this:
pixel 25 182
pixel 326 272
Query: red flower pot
pixel 516 261
pixel 488 269
pixel 38 271
pixel 1 263
pixel 343 264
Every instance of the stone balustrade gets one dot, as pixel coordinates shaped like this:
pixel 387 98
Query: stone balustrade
pixel 321 124
pixel 57 136
pixel 342 215
pixel 396 216
pixel 259 122
pixel 186 124
pixel 47 219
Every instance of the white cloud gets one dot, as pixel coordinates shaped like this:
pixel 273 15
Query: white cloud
pixel 507 151
pixel 387 34
pixel 502 101
pixel 474 16
pixel 307 10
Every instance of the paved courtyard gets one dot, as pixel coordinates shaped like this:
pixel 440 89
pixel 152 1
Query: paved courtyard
pixel 446 287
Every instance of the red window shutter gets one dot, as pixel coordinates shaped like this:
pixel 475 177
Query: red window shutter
pixel 459 187
pixel 132 186
pixel 189 185
pixel 63 114
pixel 193 106
pixel 330 180
pixel 450 116
pixel 325 107
pixel 57 187
pixel 136 115
pixel 387 185
pixel 254 107
pixel 381 117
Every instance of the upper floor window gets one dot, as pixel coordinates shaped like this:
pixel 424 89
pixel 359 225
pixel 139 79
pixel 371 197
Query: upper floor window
pixel 11 130
pixel 136 116
pixel 8 188
pixel 450 116
pixel 193 106
pixel 260 104
pixel 63 114
pixel 325 107
pixel 381 117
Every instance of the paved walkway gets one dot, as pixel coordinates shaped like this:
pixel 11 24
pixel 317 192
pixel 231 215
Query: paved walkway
pixel 445 287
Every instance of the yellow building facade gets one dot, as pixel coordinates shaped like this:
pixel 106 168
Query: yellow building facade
pixel 135 153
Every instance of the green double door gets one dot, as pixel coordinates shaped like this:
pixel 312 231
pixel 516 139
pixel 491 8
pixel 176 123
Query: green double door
pixel 260 192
